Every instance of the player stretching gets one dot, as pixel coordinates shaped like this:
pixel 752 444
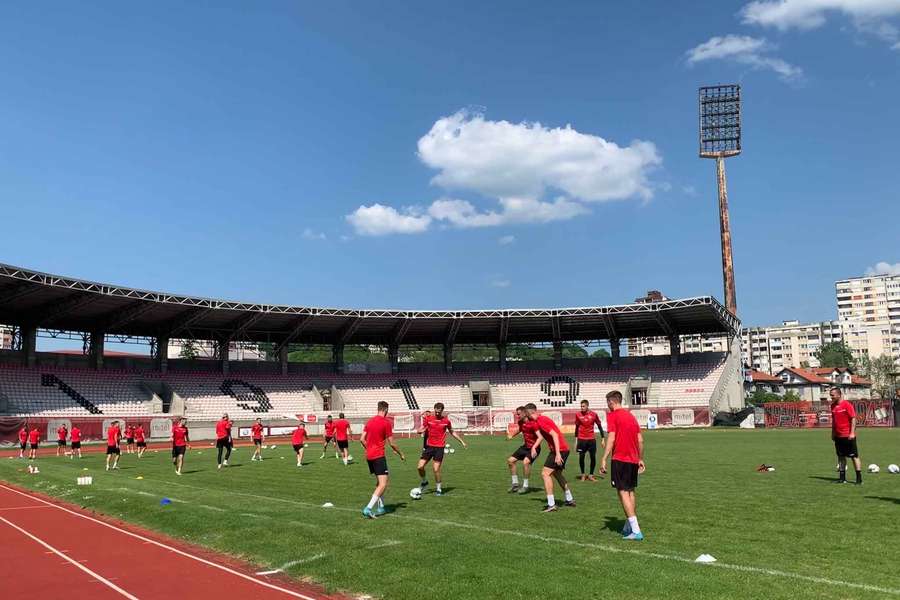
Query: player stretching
pixel 140 440
pixel 843 432
pixel 528 429
pixel 437 426
pixel 34 438
pixel 76 441
pixel 113 435
pixel 256 432
pixel 586 440
pixel 329 437
pixel 378 431
pixel 223 440
pixel 342 437
pixel 557 454
pixel 129 438
pixel 61 434
pixel 298 440
pixel 180 441
pixel 23 440
pixel 627 447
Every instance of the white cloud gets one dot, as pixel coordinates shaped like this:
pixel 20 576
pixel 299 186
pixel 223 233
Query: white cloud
pixel 501 283
pixel 689 190
pixel 309 234
pixel 744 50
pixel 522 160
pixel 378 219
pixel 506 240
pixel 884 268
pixel 461 213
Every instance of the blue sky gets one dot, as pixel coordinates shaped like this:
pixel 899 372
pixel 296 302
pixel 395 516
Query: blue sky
pixel 516 155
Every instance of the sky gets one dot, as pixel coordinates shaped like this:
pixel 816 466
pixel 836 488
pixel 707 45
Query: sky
pixel 474 155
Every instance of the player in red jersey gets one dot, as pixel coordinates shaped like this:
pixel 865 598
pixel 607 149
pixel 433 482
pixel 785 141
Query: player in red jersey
pixel 223 441
pixel 626 443
pixel 129 438
pixel 528 429
pixel 76 441
pixel 377 432
pixel 329 437
pixel 342 435
pixel 843 433
pixel 61 434
pixel 298 441
pixel 586 439
pixel 23 440
pixel 180 443
pixel 113 435
pixel 437 426
pixel 34 438
pixel 140 440
pixel 256 432
pixel 557 454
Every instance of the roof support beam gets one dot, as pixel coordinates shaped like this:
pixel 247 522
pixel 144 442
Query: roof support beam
pixel 504 330
pixel 243 323
pixel 298 327
pixel 183 321
pixel 51 312
pixel 664 323
pixel 349 329
pixel 610 323
pixel 452 330
pixel 557 328
pixel 126 315
pixel 401 331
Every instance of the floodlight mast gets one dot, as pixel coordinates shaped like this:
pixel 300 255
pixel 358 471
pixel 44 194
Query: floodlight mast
pixel 720 138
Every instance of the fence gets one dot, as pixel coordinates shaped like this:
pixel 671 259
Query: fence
pixel 869 413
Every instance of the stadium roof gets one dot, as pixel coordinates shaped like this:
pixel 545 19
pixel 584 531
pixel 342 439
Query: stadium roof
pixel 30 298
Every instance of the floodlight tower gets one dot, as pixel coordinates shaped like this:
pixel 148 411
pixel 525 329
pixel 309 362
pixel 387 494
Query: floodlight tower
pixel 720 137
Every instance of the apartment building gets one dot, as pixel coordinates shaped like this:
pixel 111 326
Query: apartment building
pixel 869 307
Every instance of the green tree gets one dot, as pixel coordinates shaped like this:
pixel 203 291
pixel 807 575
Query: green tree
pixel 835 354
pixel 189 350
pixel 878 371
pixel 600 353
pixel 791 396
pixel 760 397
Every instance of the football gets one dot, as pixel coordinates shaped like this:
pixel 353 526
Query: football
pixel 415 493
pixel 893 468
pixel 873 468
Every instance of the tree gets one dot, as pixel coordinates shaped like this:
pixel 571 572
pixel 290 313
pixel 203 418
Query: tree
pixel 791 396
pixel 600 353
pixel 878 371
pixel 761 396
pixel 189 350
pixel 835 354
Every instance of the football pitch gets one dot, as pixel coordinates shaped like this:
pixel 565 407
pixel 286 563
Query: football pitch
pixel 790 533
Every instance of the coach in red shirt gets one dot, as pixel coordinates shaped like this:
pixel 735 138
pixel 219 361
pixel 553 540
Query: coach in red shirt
pixel 626 444
pixel 843 432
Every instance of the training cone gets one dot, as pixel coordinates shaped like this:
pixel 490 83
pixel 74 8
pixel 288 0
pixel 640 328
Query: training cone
pixel 705 558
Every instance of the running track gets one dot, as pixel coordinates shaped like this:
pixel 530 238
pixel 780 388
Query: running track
pixel 53 550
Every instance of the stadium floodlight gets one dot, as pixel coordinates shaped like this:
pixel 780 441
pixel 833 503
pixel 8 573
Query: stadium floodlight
pixel 720 137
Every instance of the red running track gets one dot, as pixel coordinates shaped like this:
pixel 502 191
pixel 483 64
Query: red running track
pixel 51 550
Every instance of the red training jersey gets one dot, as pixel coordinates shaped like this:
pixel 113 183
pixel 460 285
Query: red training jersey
pixel 256 430
pixel 625 426
pixel 378 430
pixel 76 434
pixel 112 436
pixel 34 436
pixel 584 425
pixel 528 429
pixel 841 414
pixel 329 428
pixel 437 430
pixel 341 429
pixel 23 435
pixel 139 433
pixel 298 436
pixel 129 431
pixel 546 425
pixel 221 429
pixel 179 435
pixel 62 433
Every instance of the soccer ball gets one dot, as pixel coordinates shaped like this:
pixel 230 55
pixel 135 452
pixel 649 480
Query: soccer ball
pixel 452 450
pixel 873 468
pixel 893 468
pixel 446 446
pixel 349 458
pixel 415 493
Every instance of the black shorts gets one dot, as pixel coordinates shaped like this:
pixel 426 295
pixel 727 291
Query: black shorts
pixel 328 438
pixel 222 442
pixel 846 447
pixel 76 445
pixel 113 450
pixel 129 441
pixel 435 453
pixel 298 447
pixel 378 466
pixel 142 444
pixel 257 442
pixel 589 446
pixel 23 445
pixel 623 475
pixel 178 451
pixel 523 452
pixel 34 446
pixel 61 443
pixel 550 463
pixel 343 444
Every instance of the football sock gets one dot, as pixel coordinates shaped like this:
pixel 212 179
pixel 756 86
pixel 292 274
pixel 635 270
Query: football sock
pixel 372 502
pixel 569 497
pixel 438 486
pixel 632 522
pixel 525 482
pixel 843 475
pixel 551 501
pixel 424 483
pixel 515 480
pixel 380 502
pixel 858 476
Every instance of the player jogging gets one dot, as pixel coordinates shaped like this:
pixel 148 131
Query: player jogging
pixel 342 437
pixel 129 438
pixel 557 454
pixel 586 440
pixel 34 438
pixel 76 441
pixel 298 440
pixel 23 440
pixel 256 432
pixel 140 440
pixel 329 437
pixel 843 433
pixel 528 429
pixel 223 440
pixel 61 434
pixel 626 443
pixel 437 426
pixel 377 432
pixel 180 441
pixel 113 435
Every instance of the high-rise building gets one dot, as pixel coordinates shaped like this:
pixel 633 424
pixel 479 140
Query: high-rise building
pixel 789 345
pixel 869 308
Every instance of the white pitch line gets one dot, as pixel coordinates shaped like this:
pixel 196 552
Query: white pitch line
pixel 165 546
pixel 78 564
pixel 386 544
pixel 292 563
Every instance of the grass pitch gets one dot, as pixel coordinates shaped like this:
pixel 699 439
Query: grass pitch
pixel 786 534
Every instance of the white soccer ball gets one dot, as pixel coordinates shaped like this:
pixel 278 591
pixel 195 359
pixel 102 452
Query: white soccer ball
pixel 446 446
pixel 893 468
pixel 349 458
pixel 451 450
pixel 873 468
pixel 415 493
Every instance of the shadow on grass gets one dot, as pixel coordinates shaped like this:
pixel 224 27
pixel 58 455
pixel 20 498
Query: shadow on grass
pixel 392 508
pixel 614 524
pixel 819 477
pixel 885 498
